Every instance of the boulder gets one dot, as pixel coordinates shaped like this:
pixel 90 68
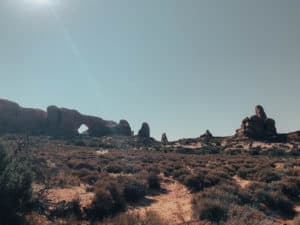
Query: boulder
pixel 258 125
pixel 144 132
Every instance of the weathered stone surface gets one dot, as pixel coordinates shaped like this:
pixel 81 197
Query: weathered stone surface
pixel 15 119
pixel 144 132
pixel 124 128
pixel 55 122
pixel 257 126
pixel 164 138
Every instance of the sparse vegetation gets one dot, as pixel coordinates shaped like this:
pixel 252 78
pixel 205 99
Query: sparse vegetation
pixel 117 180
pixel 15 188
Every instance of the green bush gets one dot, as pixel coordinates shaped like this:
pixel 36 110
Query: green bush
pixel 15 188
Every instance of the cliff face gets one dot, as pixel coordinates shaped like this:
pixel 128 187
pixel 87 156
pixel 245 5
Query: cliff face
pixel 55 122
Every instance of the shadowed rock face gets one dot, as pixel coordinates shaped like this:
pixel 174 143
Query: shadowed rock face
pixel 144 132
pixel 258 126
pixel 15 119
pixel 164 138
pixel 55 122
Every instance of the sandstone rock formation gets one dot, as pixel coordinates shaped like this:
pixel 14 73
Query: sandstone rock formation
pixel 164 138
pixel 144 132
pixel 207 135
pixel 15 119
pixel 55 122
pixel 124 128
pixel 257 126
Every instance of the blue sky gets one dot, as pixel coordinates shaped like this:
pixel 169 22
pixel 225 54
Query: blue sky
pixel 182 66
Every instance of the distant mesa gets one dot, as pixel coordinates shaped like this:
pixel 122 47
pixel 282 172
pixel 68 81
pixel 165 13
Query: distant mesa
pixel 257 126
pixel 55 122
pixel 144 132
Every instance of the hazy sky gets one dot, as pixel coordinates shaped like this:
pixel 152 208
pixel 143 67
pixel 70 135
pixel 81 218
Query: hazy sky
pixel 184 66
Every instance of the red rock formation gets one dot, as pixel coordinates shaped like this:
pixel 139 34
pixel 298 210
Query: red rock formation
pixel 15 119
pixel 144 132
pixel 164 138
pixel 124 128
pixel 55 122
pixel 257 126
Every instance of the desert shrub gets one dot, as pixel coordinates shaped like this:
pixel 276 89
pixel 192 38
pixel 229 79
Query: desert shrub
pixel 153 181
pixel 243 172
pixel 108 200
pixel 255 151
pixel 290 189
pixel 268 175
pixel 295 152
pixel 15 188
pixel 66 209
pixel 180 174
pixel 80 164
pixel 114 168
pixel 131 169
pixel 168 171
pixel 273 199
pixel 201 180
pixel 233 151
pixel 134 190
pixel 211 209
pixel 246 215
pixel 276 152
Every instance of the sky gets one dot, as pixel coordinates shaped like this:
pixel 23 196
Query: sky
pixel 182 66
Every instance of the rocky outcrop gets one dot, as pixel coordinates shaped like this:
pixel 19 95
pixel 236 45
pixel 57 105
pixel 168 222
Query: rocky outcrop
pixel 257 126
pixel 207 135
pixel 144 132
pixel 15 119
pixel 164 138
pixel 124 128
pixel 55 122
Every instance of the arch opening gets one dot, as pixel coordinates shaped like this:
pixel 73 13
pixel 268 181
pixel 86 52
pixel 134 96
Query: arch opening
pixel 83 129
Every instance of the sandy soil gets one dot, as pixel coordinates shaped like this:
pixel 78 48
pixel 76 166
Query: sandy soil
pixel 174 206
pixel 241 182
pixel 68 194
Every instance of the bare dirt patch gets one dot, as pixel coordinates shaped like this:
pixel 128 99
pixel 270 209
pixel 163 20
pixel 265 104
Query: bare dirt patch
pixel 241 182
pixel 174 206
pixel 68 194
